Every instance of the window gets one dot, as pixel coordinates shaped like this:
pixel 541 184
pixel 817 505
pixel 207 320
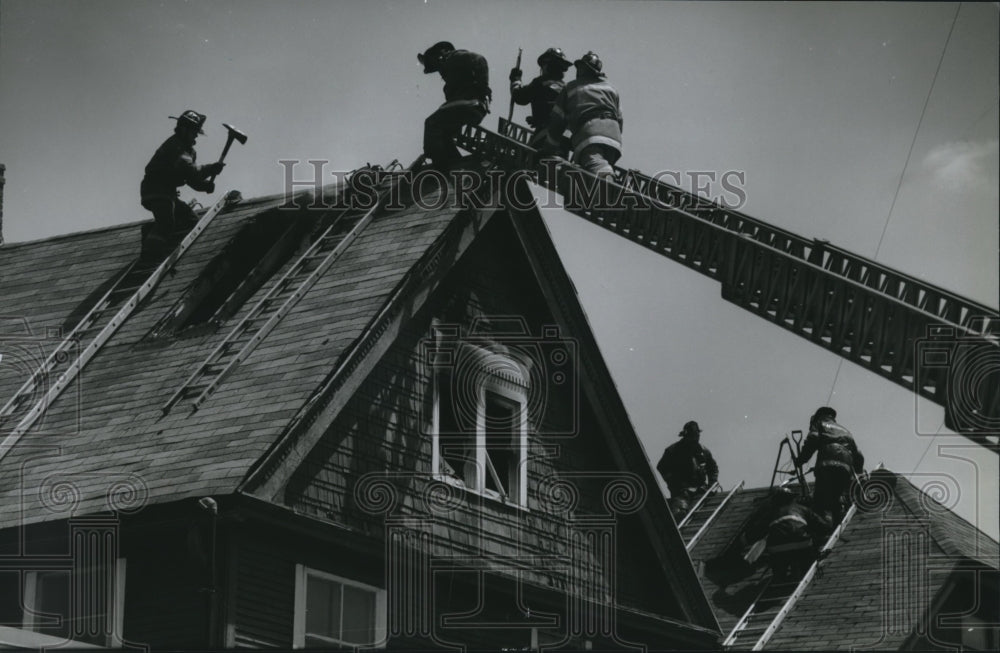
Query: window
pixel 334 612
pixel 85 605
pixel 479 422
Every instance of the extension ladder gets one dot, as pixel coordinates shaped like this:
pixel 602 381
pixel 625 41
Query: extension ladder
pixel 776 600
pixel 242 340
pixel 700 517
pixel 95 329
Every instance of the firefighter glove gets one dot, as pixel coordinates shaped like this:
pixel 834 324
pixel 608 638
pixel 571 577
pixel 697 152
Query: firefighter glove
pixel 214 168
pixel 515 74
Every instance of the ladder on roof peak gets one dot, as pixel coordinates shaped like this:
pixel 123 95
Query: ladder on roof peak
pixel 879 318
pixel 331 242
pixel 701 515
pixel 776 599
pixel 66 361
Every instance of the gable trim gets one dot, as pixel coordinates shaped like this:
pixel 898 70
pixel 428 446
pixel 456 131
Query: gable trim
pixel 596 381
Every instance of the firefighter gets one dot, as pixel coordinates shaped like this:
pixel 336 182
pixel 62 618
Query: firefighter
pixel 172 166
pixel 688 469
pixel 542 91
pixel 589 106
pixel 794 534
pixel 837 461
pixel 467 97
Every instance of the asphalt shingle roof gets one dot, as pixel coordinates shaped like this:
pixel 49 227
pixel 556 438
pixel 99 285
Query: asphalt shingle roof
pixel 105 441
pixel 872 587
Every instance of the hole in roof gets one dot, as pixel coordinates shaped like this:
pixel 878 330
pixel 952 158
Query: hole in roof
pixel 236 273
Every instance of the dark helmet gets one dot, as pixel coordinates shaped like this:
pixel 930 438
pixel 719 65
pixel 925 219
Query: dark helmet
pixel 191 119
pixel 691 428
pixel 431 58
pixel 590 62
pixel 823 412
pixel 554 55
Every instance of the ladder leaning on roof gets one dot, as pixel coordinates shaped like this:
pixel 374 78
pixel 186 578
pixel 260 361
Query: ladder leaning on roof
pixel 277 302
pixel 63 363
pixel 711 507
pixel 773 594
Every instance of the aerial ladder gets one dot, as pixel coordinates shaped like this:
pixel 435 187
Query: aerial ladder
pixel 927 339
pixel 30 402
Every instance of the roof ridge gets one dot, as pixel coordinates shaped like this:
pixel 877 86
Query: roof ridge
pixel 244 203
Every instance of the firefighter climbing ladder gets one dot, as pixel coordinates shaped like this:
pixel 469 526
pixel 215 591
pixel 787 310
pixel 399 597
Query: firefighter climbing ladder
pixel 777 599
pixel 698 519
pixel 96 327
pixel 241 341
pixel 926 339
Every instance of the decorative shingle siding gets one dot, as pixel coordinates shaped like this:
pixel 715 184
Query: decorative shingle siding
pixel 386 429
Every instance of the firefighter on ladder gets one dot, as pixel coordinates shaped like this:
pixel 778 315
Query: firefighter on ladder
pixel 837 462
pixel 172 166
pixel 589 105
pixel 467 97
pixel 688 469
pixel 794 534
pixel 541 92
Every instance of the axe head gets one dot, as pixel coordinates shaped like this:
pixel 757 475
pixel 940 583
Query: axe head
pixel 235 134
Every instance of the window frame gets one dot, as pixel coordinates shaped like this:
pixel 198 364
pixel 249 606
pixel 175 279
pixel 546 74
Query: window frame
pixel 513 392
pixel 302 573
pixel 31 619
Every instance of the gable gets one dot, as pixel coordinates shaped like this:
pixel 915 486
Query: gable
pixel 379 445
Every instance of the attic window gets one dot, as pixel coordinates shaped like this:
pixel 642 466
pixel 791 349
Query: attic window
pixel 236 273
pixel 479 420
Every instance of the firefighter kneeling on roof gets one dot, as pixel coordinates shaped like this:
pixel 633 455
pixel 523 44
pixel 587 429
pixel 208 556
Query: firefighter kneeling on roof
pixel 794 534
pixel 173 166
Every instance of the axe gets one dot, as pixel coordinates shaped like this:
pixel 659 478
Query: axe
pixel 234 135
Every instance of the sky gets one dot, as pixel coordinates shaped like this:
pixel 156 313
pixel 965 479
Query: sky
pixel 871 125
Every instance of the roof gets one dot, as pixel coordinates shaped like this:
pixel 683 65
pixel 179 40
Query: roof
pixel 105 441
pixel 876 568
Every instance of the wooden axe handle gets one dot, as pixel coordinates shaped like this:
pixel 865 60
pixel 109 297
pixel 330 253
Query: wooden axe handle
pixel 225 150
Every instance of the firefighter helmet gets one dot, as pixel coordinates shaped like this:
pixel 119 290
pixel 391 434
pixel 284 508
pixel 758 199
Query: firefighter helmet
pixel 823 411
pixel 554 55
pixel 431 58
pixel 691 428
pixel 590 62
pixel 191 119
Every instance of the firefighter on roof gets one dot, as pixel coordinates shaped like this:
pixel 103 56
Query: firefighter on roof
pixel 542 91
pixel 589 106
pixel 467 97
pixel 837 462
pixel 688 469
pixel 172 166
